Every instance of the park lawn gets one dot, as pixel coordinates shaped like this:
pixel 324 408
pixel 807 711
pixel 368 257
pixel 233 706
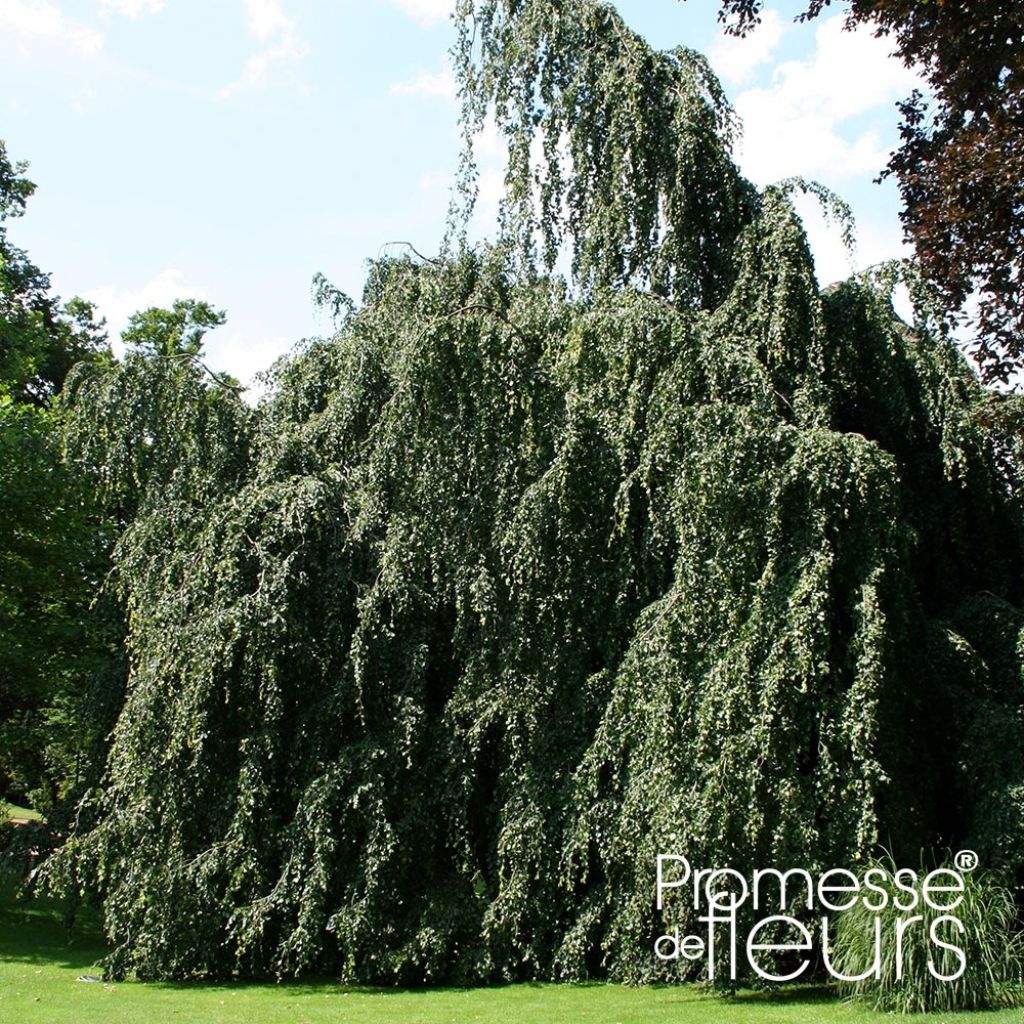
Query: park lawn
pixel 38 972
pixel 14 811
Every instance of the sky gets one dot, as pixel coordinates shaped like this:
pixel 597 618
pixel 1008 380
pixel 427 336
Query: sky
pixel 229 150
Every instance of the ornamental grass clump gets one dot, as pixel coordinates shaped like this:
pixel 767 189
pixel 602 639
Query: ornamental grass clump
pixel 951 955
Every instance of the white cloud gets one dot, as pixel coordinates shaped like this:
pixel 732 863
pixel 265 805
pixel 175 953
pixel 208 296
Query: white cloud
pixel 272 27
pixel 244 357
pixel 256 67
pixel 426 12
pixel 240 355
pixel 795 126
pixel 267 19
pixel 430 83
pixel 37 20
pixel 118 304
pixel 735 58
pixel 134 8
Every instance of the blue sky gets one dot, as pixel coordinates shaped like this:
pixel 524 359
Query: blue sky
pixel 229 150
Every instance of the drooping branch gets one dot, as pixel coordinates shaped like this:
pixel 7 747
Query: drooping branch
pixel 620 150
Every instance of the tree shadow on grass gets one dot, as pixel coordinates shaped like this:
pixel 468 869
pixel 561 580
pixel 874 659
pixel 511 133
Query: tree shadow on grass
pixel 27 941
pixel 32 931
pixel 809 994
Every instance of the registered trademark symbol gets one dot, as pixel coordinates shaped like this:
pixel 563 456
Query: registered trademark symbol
pixel 966 860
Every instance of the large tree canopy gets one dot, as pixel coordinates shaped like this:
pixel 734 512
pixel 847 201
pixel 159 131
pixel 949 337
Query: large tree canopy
pixel 513 582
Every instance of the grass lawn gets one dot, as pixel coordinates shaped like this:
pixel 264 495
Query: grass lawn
pixel 13 811
pixel 38 972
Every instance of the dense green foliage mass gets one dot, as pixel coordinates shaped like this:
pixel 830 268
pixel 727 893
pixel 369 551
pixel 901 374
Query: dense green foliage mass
pixel 55 654
pixel 511 591
pixel 513 583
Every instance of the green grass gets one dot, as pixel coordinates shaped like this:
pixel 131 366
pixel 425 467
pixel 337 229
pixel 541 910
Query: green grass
pixel 38 969
pixel 14 811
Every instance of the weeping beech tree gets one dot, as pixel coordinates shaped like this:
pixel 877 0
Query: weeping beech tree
pixel 515 582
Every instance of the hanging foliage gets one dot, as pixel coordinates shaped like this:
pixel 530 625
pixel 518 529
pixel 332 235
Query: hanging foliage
pixel 509 586
pixel 619 148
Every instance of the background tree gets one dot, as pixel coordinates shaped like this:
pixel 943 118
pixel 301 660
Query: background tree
pixel 147 422
pixel 41 338
pixel 960 167
pixel 55 540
